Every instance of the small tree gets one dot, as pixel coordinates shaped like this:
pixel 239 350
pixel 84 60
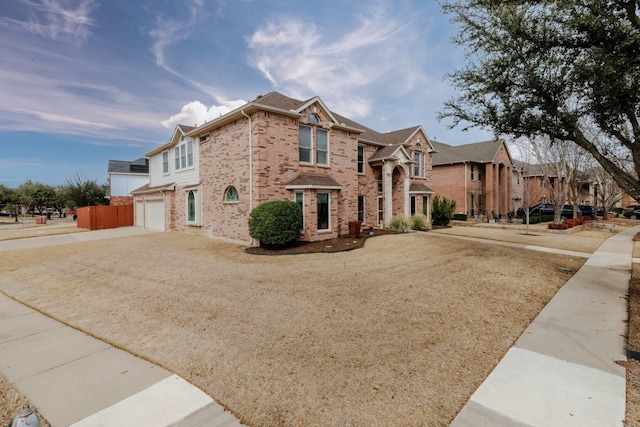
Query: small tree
pixel 443 210
pixel 276 223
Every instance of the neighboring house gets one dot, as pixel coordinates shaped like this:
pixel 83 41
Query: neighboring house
pixel 533 188
pixel 124 177
pixel 206 180
pixel 478 177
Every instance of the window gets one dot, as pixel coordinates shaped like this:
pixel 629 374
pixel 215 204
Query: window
pixel 299 196
pixel 165 162
pixel 191 206
pixel 231 194
pixel 305 140
pixel 305 144
pixel 413 205
pixel 360 158
pixel 417 158
pixel 205 137
pixel 380 182
pixel 183 155
pixel 473 172
pixel 323 211
pixel 361 209
pixel 322 147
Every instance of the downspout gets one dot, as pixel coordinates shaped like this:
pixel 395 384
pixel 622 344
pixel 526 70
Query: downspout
pixel 250 166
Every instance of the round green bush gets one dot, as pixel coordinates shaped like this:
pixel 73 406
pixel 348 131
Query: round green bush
pixel 276 223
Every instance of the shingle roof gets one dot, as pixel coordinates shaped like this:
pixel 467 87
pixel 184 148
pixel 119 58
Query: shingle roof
pixel 417 187
pixel 479 152
pixel 308 180
pixel 140 165
pixel 278 100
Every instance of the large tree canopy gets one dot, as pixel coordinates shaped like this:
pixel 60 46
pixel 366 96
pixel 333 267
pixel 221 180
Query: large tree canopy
pixel 556 68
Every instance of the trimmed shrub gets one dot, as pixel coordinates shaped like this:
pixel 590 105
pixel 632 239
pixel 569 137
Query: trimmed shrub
pixel 460 217
pixel 442 210
pixel 418 222
pixel 399 223
pixel 276 223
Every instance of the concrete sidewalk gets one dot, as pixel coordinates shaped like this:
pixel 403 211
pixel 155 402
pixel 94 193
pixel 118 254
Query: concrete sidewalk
pixel 563 371
pixel 73 379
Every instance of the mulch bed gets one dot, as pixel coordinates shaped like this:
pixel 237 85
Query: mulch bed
pixel 339 244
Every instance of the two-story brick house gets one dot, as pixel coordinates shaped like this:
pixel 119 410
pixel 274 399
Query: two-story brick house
pixel 477 176
pixel 207 179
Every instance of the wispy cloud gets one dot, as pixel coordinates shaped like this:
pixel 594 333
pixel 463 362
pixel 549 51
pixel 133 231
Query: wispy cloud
pixel 170 31
pixel 298 57
pixel 69 21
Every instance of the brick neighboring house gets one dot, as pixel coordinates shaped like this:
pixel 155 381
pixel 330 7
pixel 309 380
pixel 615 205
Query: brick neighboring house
pixel 206 180
pixel 478 176
pixel 124 177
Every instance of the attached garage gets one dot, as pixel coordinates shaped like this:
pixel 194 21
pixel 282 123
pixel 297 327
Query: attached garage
pixel 155 215
pixel 150 206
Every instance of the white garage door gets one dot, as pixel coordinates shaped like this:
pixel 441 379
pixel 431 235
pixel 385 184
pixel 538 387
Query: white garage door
pixel 155 215
pixel 139 214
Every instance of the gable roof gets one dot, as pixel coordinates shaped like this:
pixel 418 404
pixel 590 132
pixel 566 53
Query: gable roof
pixel 282 104
pixel 140 166
pixel 478 152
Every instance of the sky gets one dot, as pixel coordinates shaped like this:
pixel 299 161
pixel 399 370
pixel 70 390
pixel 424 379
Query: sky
pixel 83 82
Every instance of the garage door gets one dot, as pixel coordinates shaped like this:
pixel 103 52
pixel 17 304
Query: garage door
pixel 155 215
pixel 139 214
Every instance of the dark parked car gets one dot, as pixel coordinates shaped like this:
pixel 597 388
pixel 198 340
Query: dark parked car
pixel 543 209
pixel 633 213
pixel 587 210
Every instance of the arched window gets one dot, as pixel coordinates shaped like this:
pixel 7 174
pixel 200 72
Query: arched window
pixel 231 194
pixel 191 206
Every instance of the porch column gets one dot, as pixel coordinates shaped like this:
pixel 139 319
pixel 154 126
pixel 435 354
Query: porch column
pixel 407 197
pixel 388 193
pixel 488 189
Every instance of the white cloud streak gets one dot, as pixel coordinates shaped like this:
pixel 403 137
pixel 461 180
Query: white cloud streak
pixel 56 20
pixel 296 57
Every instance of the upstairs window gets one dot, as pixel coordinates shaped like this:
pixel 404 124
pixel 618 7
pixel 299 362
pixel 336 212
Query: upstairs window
pixel 322 147
pixel 165 162
pixel 417 161
pixel 473 172
pixel 305 144
pixel 360 158
pixel 307 135
pixel 183 155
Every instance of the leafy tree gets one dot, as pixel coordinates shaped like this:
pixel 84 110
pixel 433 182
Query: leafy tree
pixel 80 191
pixel 442 210
pixel 557 69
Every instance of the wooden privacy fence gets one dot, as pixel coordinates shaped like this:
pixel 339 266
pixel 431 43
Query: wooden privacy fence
pixel 100 217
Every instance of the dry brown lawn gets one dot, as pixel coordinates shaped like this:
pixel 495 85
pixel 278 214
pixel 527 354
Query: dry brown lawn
pixel 398 333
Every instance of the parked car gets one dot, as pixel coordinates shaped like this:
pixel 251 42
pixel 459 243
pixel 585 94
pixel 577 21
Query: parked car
pixel 587 210
pixel 543 209
pixel 633 213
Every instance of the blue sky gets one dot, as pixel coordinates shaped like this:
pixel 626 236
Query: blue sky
pixel 83 82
